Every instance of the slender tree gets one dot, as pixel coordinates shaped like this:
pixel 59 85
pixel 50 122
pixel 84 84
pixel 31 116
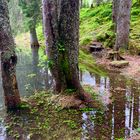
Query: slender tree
pixel 98 2
pixel 81 3
pixel 61 25
pixel 123 25
pixel 16 16
pixel 31 11
pixel 8 59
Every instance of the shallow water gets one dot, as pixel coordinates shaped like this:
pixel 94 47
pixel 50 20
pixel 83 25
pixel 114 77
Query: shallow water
pixel 122 100
pixel 120 95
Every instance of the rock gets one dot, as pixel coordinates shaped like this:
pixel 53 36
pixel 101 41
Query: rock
pixel 119 64
pixel 95 47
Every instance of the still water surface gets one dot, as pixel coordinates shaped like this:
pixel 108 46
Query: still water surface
pixel 120 95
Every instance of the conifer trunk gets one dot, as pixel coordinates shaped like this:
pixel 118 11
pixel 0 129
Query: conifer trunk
pixel 35 56
pixel 34 45
pixel 61 24
pixel 123 25
pixel 115 12
pixel 8 59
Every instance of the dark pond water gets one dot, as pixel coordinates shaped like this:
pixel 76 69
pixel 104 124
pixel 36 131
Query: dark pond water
pixel 120 95
pixel 122 99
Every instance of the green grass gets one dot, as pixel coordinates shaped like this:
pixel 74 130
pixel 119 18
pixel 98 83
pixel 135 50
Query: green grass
pixel 87 63
pixel 96 24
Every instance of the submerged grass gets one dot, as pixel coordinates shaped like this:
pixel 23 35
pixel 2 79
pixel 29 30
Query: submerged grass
pixel 39 118
pixel 43 119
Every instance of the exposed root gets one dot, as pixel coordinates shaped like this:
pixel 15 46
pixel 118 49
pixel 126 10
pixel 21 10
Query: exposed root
pixel 114 55
pixel 72 101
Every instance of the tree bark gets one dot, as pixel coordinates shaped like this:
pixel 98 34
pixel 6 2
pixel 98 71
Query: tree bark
pixel 35 56
pixel 123 25
pixel 34 45
pixel 81 3
pixel 115 12
pixel 98 2
pixel 61 25
pixel 8 59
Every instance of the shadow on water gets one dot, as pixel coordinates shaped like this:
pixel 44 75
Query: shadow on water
pixel 120 96
pixel 122 99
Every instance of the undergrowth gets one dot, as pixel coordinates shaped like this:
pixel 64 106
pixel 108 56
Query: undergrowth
pixel 96 24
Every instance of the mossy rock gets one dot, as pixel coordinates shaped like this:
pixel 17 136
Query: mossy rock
pixel 119 64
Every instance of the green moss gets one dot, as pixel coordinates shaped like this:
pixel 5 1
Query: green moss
pixel 44 120
pixel 92 20
pixel 87 63
pixel 119 64
pixel 96 24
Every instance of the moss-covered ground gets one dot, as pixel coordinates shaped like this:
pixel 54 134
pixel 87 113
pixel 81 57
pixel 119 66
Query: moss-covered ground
pixel 40 117
pixel 96 24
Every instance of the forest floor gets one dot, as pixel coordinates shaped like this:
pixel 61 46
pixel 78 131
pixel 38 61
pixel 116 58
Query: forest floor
pixel 41 117
pixel 135 137
pixel 131 71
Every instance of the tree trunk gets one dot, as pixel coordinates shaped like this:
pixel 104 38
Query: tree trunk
pixel 123 25
pixel 35 56
pixel 61 24
pixel 8 59
pixel 81 3
pixel 115 12
pixel 34 45
pixel 98 2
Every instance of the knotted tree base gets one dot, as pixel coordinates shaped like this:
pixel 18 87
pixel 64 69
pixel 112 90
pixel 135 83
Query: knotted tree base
pixel 114 55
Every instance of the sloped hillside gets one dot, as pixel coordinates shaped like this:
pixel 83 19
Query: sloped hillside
pixel 96 24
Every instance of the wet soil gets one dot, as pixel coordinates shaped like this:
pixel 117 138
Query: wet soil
pixel 132 70
pixel 43 120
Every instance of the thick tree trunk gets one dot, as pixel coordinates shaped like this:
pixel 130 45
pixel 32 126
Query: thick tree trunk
pixel 8 59
pixel 61 24
pixel 115 12
pixel 123 25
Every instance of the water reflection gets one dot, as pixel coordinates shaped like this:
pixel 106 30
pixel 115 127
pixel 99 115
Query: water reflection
pixel 2 127
pixel 27 84
pixel 123 109
pixel 88 126
pixel 29 80
pixel 120 96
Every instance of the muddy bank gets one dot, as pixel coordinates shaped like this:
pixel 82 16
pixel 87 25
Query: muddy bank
pixel 130 71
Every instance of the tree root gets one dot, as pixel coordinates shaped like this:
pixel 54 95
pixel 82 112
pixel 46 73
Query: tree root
pixel 114 55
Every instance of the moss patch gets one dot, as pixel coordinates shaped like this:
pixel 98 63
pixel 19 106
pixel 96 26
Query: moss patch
pixel 96 24
pixel 87 63
pixel 119 64
pixel 41 118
